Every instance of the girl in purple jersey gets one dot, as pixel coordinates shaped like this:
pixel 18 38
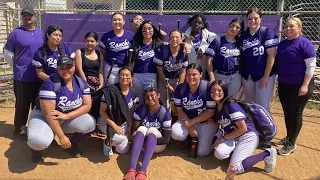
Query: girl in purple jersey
pixel 114 45
pixel 239 135
pixel 45 59
pixel 224 64
pixel 61 111
pixel 145 42
pixel 194 107
pixel 123 131
pixel 152 127
pixel 296 57
pixel 199 37
pixel 171 61
pixel 259 51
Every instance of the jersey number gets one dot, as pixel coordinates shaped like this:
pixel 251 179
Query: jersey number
pixel 201 110
pixel 258 51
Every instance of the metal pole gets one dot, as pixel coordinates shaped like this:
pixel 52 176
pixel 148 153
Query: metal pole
pixel 280 5
pixel 160 5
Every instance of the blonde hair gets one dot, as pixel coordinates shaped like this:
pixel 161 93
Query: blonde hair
pixel 298 21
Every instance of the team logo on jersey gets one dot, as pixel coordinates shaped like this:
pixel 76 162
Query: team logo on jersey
pixel 225 52
pixel 52 63
pixel 196 45
pixel 194 104
pixel 154 124
pixel 145 55
pixel 172 67
pixel 247 44
pixel 224 122
pixel 66 104
pixel 119 46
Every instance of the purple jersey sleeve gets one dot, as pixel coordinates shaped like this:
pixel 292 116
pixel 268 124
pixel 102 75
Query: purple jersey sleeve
pixel 210 51
pixel 47 90
pixel 86 90
pixel 158 57
pixel 166 124
pixel 178 96
pixel 11 42
pixel 210 103
pixel 236 113
pixel 38 59
pixel 272 39
pixel 69 51
pixel 104 39
pixel 308 50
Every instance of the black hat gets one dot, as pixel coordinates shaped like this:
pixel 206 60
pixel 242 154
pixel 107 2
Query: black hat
pixel 27 10
pixel 65 60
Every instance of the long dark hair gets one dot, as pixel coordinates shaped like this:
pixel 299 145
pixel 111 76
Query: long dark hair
pixel 204 20
pixel 138 38
pixel 50 30
pixel 92 34
pixel 241 22
pixel 255 10
pixel 224 88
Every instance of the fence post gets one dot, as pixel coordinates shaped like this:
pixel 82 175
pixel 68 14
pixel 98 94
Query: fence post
pixel 160 6
pixel 280 5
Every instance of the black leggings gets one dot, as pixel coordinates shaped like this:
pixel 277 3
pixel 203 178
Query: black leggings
pixel 293 106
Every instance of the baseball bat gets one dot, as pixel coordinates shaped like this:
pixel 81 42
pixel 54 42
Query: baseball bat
pixel 130 57
pixel 152 83
pixel 167 94
pixel 111 67
pixel 178 24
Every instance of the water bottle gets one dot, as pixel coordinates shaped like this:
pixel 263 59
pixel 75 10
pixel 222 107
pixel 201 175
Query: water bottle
pixel 231 172
pixel 193 148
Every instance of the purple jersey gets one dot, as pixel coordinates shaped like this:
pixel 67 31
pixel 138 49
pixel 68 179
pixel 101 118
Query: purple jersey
pixel 130 98
pixel 197 42
pixel 153 120
pixel 50 65
pixel 116 47
pixel 255 52
pixel 292 54
pixel 227 59
pixel 144 61
pixel 171 65
pixel 193 103
pixel 66 100
pixel 228 121
pixel 23 44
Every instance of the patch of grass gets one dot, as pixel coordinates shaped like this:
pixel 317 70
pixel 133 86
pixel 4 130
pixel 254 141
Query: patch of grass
pixel 313 105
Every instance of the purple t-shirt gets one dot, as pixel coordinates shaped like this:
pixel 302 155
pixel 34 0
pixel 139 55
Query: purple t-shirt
pixel 227 59
pixel 116 47
pixel 130 98
pixel 144 62
pixel 228 121
pixel 171 65
pixel 66 100
pixel 255 53
pixel 193 103
pixel 291 56
pixel 50 66
pixel 153 120
pixel 23 44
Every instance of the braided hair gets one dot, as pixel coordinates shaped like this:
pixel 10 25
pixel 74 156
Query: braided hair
pixel 50 30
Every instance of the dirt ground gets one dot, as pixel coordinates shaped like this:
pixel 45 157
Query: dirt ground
pixel 173 163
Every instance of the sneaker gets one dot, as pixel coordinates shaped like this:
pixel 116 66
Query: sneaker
pixel 287 149
pixel 282 142
pixel 36 156
pixel 75 152
pixel 271 160
pixel 107 150
pixel 266 145
pixel 20 133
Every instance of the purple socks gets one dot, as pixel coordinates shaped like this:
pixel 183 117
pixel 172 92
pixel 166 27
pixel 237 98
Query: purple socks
pixel 150 145
pixel 252 160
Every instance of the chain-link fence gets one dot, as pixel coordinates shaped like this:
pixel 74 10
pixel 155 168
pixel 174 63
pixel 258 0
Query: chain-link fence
pixel 307 10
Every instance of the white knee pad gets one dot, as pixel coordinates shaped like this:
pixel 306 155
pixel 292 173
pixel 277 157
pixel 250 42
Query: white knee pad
pixel 153 131
pixel 220 154
pixel 143 130
pixel 178 132
pixel 123 148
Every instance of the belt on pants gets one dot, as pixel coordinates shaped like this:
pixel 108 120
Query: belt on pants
pixel 226 73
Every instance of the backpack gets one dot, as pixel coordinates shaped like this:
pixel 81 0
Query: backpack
pixel 145 108
pixel 57 82
pixel 203 88
pixel 260 117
